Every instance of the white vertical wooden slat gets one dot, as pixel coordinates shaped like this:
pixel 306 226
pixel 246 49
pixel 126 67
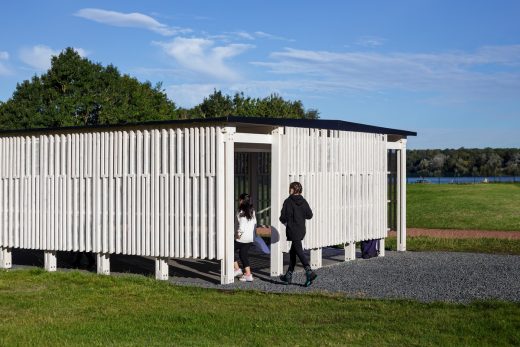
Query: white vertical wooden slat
pixel 179 196
pixel 118 159
pixel 154 199
pixel 194 143
pixel 172 192
pixel 146 191
pixel 187 194
pixel 210 167
pixel 140 197
pixel 125 217
pixel 132 193
pixel 203 194
pixel 164 190
pixel 220 213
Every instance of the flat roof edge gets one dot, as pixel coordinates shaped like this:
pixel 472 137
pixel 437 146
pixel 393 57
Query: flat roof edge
pixel 290 122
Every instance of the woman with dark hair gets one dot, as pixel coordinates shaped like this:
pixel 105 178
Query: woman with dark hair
pixel 244 236
pixel 295 212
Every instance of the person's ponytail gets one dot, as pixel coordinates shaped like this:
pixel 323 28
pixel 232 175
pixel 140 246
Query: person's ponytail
pixel 246 208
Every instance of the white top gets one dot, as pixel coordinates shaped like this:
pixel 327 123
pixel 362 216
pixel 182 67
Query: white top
pixel 246 228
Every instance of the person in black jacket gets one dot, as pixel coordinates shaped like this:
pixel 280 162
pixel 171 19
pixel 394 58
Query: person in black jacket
pixel 295 212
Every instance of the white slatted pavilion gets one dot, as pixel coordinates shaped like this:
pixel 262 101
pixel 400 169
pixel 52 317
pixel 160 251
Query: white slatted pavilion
pixel 166 189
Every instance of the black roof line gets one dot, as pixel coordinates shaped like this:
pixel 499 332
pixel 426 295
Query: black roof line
pixel 291 122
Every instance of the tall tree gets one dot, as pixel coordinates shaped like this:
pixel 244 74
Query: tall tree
pixel 76 91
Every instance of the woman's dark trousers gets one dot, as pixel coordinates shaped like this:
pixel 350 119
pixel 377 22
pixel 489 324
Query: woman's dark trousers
pixel 297 250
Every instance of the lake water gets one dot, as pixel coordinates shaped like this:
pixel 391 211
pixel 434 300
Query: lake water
pixel 460 180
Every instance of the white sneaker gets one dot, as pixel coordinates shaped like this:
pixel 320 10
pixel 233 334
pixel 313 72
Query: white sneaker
pixel 246 278
pixel 238 273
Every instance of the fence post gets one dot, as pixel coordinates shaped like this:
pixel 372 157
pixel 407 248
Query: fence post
pixel 50 260
pixel 277 239
pixel 401 197
pixel 5 258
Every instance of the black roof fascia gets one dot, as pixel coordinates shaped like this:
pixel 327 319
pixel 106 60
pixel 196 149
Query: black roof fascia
pixel 290 122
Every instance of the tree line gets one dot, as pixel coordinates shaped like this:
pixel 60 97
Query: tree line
pixel 463 162
pixel 75 91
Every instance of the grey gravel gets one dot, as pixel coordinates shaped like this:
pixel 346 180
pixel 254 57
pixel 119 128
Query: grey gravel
pixel 422 276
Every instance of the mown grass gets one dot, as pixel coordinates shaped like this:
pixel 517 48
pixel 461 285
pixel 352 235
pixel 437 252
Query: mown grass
pixel 469 206
pixel 480 245
pixel 73 308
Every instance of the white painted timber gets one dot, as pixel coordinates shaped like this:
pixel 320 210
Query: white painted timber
pixel 316 258
pixel 277 228
pixel 161 269
pixel 344 178
pixel 50 261
pixel 401 197
pixel 103 263
pixel 350 251
pixel 147 192
pixel 253 138
pixel 5 258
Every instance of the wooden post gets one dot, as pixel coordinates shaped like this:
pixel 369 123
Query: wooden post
pixel 103 263
pixel 382 247
pixel 161 269
pixel 277 234
pixel 50 261
pixel 401 197
pixel 316 258
pixel 227 271
pixel 350 251
pixel 5 258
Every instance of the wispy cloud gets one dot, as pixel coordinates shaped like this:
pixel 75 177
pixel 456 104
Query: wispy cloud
pixel 131 20
pixel 4 69
pixel 489 70
pixel 190 94
pixel 204 56
pixel 39 56
pixel 264 35
pixel 370 41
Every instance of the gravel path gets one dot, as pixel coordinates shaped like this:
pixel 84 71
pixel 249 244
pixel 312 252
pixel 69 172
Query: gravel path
pixel 422 276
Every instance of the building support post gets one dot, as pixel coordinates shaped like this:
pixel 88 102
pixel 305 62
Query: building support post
pixel 50 260
pixel 277 228
pixel 316 258
pixel 6 258
pixel 161 269
pixel 227 270
pixel 103 263
pixel 350 251
pixel 382 247
pixel 401 197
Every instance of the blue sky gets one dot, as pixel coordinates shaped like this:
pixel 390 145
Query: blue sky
pixel 449 70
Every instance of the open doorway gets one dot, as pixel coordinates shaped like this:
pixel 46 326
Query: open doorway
pixel 253 176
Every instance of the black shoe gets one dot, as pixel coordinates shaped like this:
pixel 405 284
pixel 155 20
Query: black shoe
pixel 311 276
pixel 287 278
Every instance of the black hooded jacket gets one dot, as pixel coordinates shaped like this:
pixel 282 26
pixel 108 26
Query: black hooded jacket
pixel 294 212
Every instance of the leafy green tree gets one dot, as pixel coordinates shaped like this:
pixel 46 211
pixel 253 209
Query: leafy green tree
pixel 76 91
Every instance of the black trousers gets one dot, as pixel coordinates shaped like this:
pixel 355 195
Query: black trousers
pixel 297 250
pixel 243 253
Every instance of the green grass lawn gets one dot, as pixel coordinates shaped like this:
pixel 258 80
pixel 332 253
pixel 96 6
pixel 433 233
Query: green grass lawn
pixel 469 206
pixel 480 245
pixel 73 308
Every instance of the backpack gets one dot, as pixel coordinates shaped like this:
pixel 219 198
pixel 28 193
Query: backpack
pixel 369 249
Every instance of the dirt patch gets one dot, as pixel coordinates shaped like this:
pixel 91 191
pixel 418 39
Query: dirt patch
pixel 461 234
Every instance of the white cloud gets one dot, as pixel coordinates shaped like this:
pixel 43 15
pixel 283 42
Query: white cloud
pixel 370 41
pixel 203 56
pixel 131 20
pixel 188 95
pixel 39 56
pixel 489 70
pixel 264 35
pixel 4 55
